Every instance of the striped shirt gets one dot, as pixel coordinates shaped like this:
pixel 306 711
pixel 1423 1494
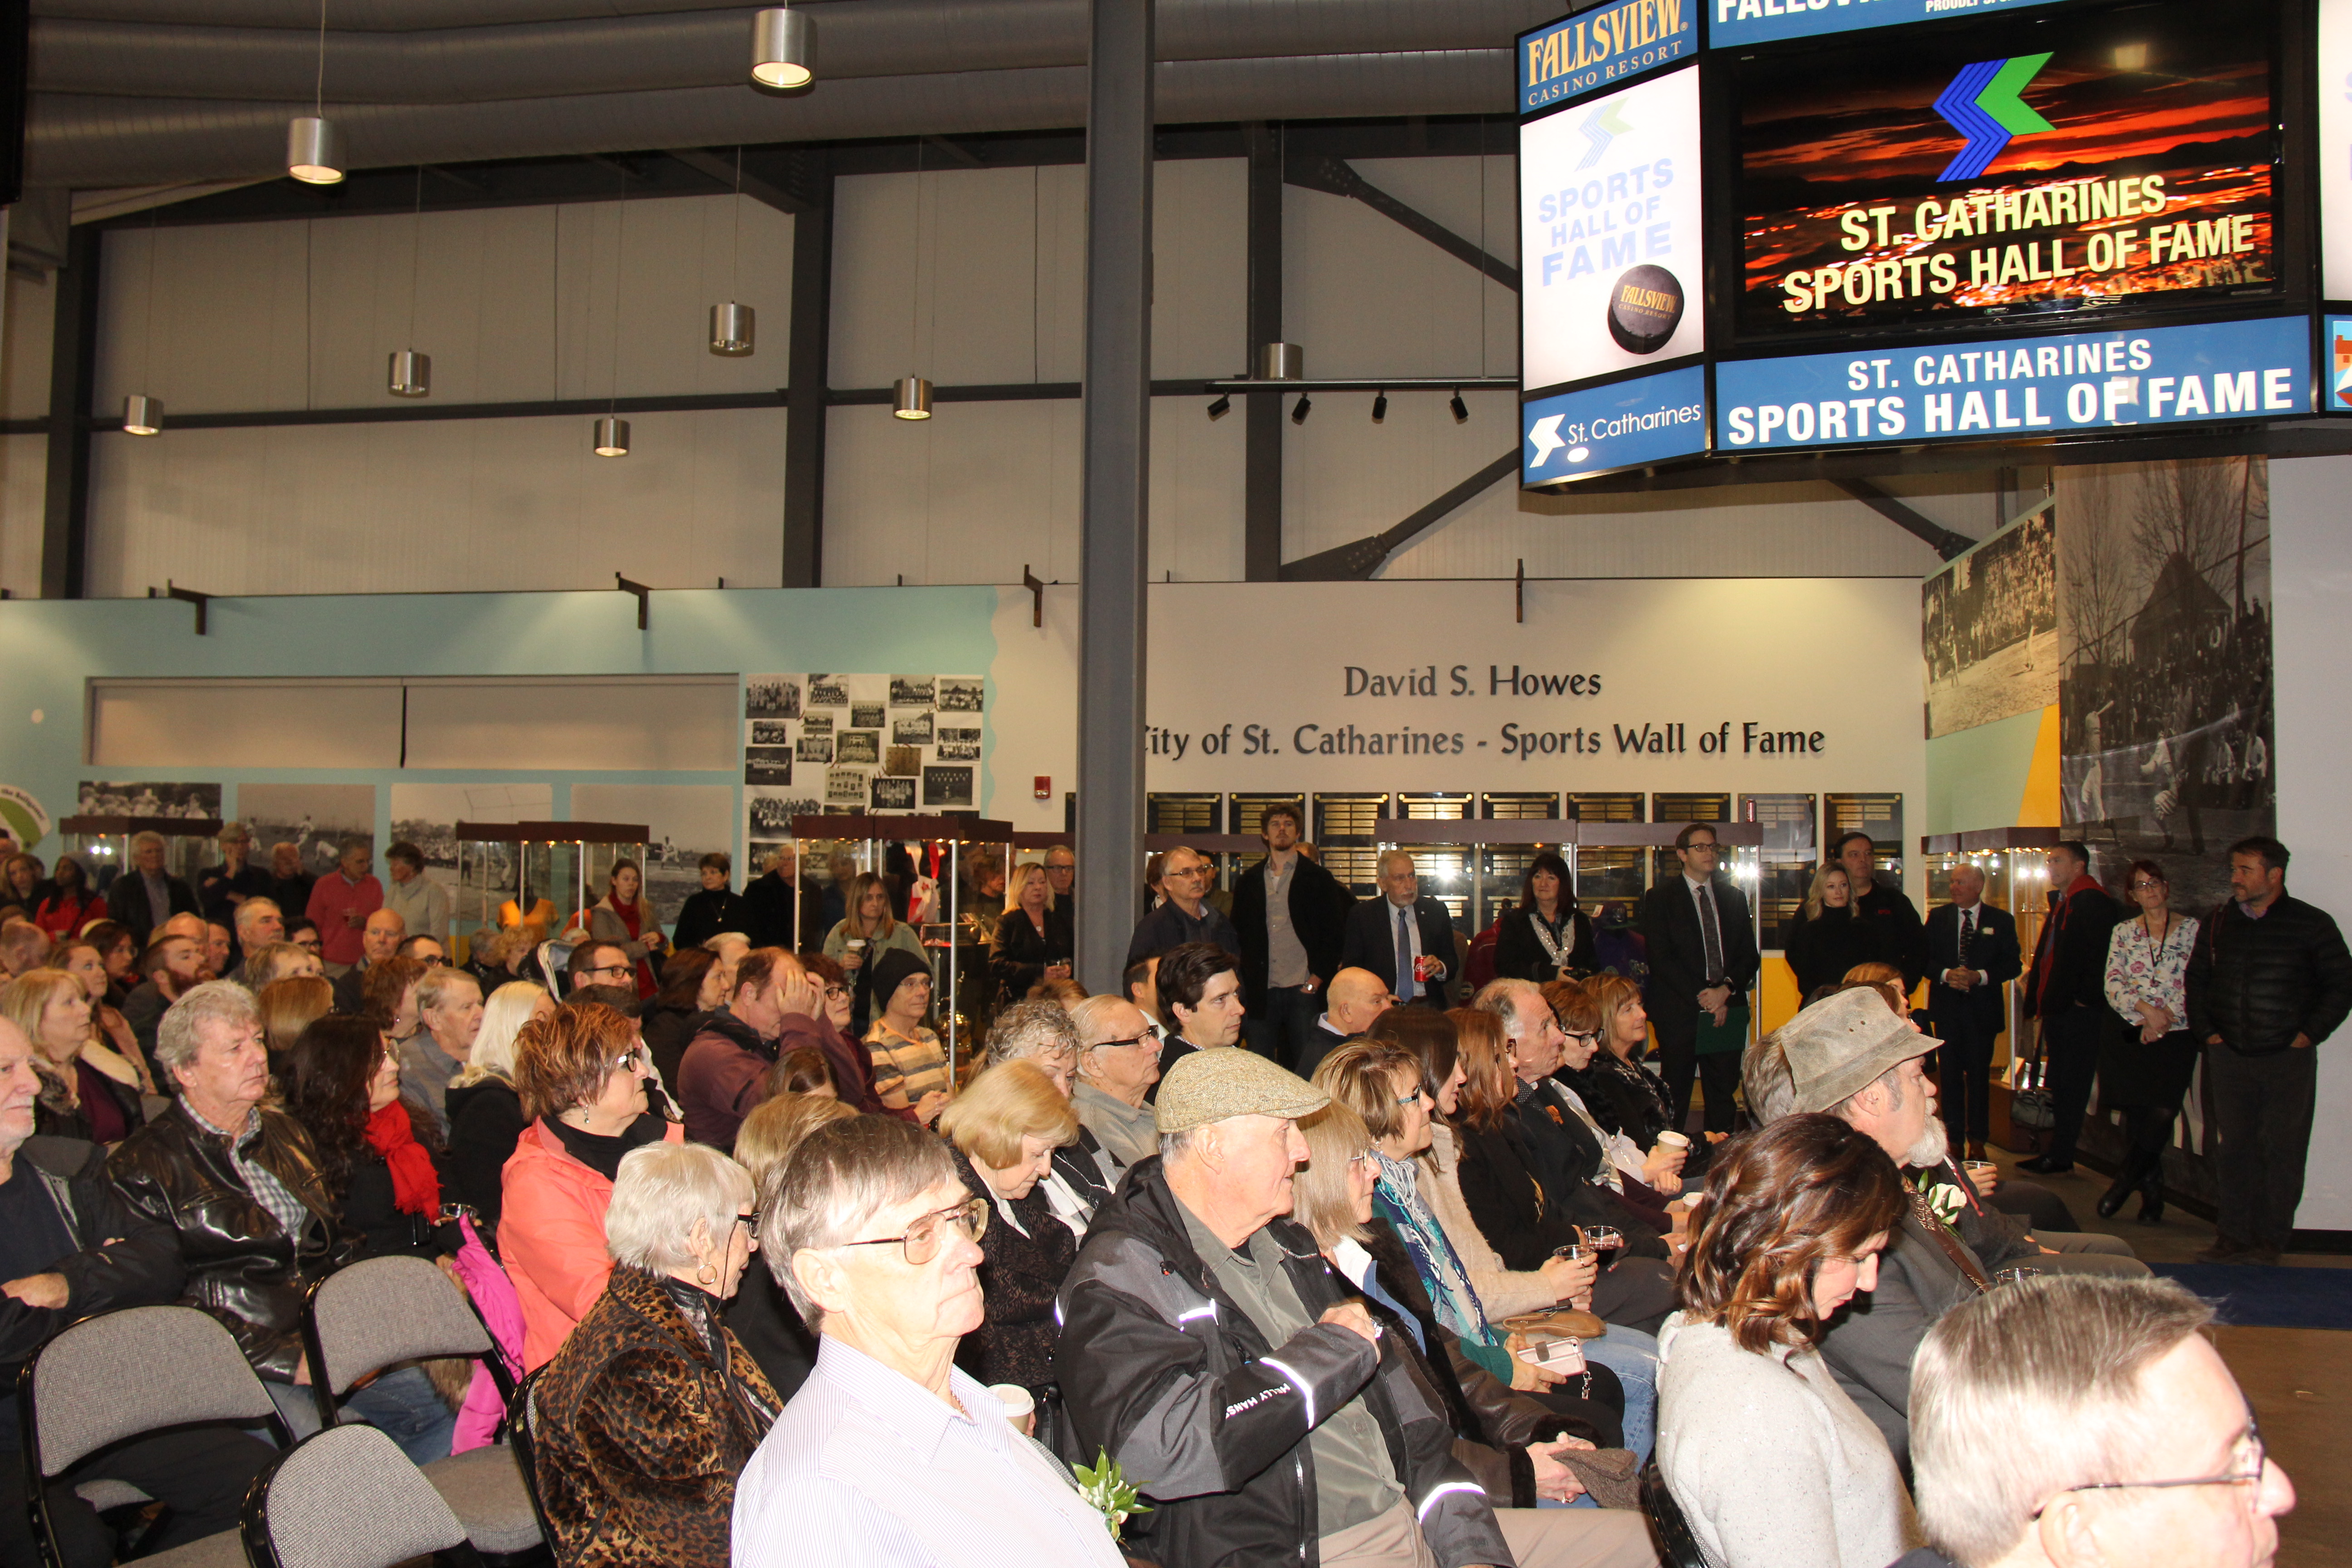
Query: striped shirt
pixel 866 1467
pixel 911 1067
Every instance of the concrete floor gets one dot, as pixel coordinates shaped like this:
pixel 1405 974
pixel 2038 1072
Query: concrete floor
pixel 2299 1381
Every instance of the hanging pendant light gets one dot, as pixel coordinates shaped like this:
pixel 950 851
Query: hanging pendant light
pixel 733 325
pixel 611 433
pixel 612 438
pixel 142 415
pixel 912 398
pixel 410 374
pixel 783 48
pixel 314 148
pixel 911 395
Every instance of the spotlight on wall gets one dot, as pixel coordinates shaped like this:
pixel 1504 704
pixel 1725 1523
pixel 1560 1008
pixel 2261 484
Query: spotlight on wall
pixel 912 398
pixel 314 151
pixel 1461 409
pixel 612 438
pixel 1380 406
pixel 1221 407
pixel 142 415
pixel 783 48
pixel 1301 409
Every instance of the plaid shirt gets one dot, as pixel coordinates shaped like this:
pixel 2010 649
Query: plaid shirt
pixel 267 1190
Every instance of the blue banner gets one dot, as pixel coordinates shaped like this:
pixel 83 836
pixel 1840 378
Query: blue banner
pixel 1622 425
pixel 1566 59
pixel 1735 22
pixel 2017 388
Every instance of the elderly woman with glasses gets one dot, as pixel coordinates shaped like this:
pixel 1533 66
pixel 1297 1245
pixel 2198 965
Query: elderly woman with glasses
pixel 648 1413
pixel 1005 1127
pixel 890 1453
pixel 580 1074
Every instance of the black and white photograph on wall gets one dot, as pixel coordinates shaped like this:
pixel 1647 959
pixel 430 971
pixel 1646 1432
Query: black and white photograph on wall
pixel 770 813
pixel 683 824
pixel 2165 703
pixel 772 733
pixel 315 818
pixel 426 815
pixel 817 724
pixel 913 690
pixel 867 715
pixel 828 691
pixel 957 744
pixel 913 730
pixel 768 765
pixel 814 749
pixel 857 746
pixel 845 786
pixel 948 786
pixel 903 762
pixel 1989 628
pixel 959 694
pixel 196 802
pixel 893 794
pixel 771 696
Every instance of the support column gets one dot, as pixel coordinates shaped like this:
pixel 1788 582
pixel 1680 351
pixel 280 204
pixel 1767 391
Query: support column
pixel 1262 459
pixel 804 396
pixel 73 369
pixel 1115 427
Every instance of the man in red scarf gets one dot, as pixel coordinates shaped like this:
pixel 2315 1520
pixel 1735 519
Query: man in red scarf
pixel 2065 990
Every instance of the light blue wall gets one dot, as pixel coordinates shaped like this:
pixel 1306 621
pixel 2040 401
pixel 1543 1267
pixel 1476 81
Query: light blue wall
pixel 49 650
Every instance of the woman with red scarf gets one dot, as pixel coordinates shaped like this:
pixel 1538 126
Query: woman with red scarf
pixel 380 1157
pixel 624 917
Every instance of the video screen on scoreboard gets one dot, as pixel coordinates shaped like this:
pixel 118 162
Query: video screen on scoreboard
pixel 2039 166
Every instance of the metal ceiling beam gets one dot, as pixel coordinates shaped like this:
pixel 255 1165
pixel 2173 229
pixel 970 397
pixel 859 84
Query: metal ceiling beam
pixel 1356 562
pixel 1337 177
pixel 730 174
pixel 1934 534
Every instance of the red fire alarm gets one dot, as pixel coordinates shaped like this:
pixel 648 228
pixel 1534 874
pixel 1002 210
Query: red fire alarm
pixel 1042 787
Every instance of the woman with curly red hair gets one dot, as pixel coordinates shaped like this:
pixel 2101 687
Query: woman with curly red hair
pixel 1773 1464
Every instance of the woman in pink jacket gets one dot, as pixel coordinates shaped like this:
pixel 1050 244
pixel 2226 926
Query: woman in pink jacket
pixel 581 1073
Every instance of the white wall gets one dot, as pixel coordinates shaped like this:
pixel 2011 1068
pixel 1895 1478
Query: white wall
pixel 26 309
pixel 2311 589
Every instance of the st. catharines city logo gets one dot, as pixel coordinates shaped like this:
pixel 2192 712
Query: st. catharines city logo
pixel 1983 105
pixel 1602 126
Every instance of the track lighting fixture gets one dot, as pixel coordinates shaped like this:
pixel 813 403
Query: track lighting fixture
pixel 783 48
pixel 911 398
pixel 1221 407
pixel 1301 409
pixel 1380 406
pixel 1461 409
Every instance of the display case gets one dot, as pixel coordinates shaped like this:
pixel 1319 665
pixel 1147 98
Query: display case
pixel 103 844
pixel 540 875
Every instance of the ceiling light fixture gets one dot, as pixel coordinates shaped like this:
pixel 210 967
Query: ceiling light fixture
pixel 1461 409
pixel 1281 362
pixel 733 325
pixel 1301 409
pixel 410 373
pixel 783 48
pixel 1221 407
pixel 611 435
pixel 612 438
pixel 1380 406
pixel 142 415
pixel 911 397
pixel 314 148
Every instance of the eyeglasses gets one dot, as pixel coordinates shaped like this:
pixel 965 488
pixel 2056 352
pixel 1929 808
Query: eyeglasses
pixel 2248 1457
pixel 435 962
pixel 2144 885
pixel 921 1242
pixel 1418 1096
pixel 610 969
pixel 750 1222
pixel 1145 1038
pixel 836 992
pixel 630 1060
pixel 1582 1033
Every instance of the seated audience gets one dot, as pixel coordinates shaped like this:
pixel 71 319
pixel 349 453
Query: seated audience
pixel 448 1018
pixel 716 907
pixel 802 1071
pixel 380 1162
pixel 724 1072
pixel 850 1061
pixel 1063 993
pixel 910 1064
pixel 70 1248
pixel 388 997
pixel 2082 1422
pixel 1083 1173
pixel 240 1183
pixel 652 1407
pixel 220 947
pixel 1352 1003
pixel 499 957
pixel 169 967
pixel 1622 1095
pixel 890 1453
pixel 280 961
pixel 692 986
pixel 1118 1063
pixel 1030 945
pixel 78 957
pixel 1004 1128
pixel 835 982
pixel 596 962
pixel 761 1316
pixel 70 902
pixel 380 936
pixel 87 1091
pixel 1518 1435
pixel 580 1074
pixel 485 1111
pixel 303 932
pixel 287 1008
pixel 1770 1461
pixel 1194 1286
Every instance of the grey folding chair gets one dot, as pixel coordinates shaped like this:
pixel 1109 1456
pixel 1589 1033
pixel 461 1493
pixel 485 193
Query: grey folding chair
pixel 98 1383
pixel 384 1310
pixel 522 1431
pixel 1669 1531
pixel 346 1497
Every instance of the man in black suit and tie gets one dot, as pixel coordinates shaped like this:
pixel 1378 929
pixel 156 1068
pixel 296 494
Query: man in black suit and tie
pixel 1701 943
pixel 1972 954
pixel 1405 939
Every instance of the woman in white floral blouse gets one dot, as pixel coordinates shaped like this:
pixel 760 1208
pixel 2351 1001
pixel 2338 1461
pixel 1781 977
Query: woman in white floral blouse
pixel 2146 1057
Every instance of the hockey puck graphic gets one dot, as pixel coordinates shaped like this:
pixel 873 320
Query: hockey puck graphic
pixel 1644 308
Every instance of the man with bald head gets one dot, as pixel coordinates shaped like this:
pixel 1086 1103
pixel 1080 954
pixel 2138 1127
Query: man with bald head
pixel 1356 997
pixel 1972 953
pixel 380 939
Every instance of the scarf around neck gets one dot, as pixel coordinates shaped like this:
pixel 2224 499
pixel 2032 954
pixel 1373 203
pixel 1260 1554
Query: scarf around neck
pixel 1434 1258
pixel 416 1185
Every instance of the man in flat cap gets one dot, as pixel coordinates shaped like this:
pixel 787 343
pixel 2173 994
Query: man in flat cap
pixel 1243 1387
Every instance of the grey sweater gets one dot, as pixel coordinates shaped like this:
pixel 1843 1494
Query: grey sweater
pixel 1771 1462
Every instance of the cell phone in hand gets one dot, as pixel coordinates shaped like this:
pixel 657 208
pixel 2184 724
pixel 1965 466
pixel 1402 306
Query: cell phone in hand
pixel 1564 1356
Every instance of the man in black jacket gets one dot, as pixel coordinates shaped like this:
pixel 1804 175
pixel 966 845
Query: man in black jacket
pixel 2066 990
pixel 1701 943
pixel 1290 913
pixel 1404 937
pixel 1187 916
pixel 70 1250
pixel 1207 1347
pixel 2268 980
pixel 1888 908
pixel 1972 956
pixel 779 909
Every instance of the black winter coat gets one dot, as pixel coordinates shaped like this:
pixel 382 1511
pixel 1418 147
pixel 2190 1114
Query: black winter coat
pixel 1318 917
pixel 1821 950
pixel 1020 953
pixel 486 1121
pixel 242 1265
pixel 2070 961
pixel 125 1259
pixel 1019 1279
pixel 707 913
pixel 1519 953
pixel 2259 984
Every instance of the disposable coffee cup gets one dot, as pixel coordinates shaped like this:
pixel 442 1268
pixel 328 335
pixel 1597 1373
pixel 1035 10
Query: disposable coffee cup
pixel 1019 1404
pixel 855 944
pixel 1673 1140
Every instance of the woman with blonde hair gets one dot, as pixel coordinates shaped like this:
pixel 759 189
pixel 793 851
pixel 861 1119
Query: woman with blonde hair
pixel 287 1008
pixel 485 1112
pixel 87 1091
pixel 625 917
pixel 1030 946
pixel 861 937
pixel 1886 977
pixel 1826 936
pixel 760 1315
pixel 1005 1127
pixel 78 956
